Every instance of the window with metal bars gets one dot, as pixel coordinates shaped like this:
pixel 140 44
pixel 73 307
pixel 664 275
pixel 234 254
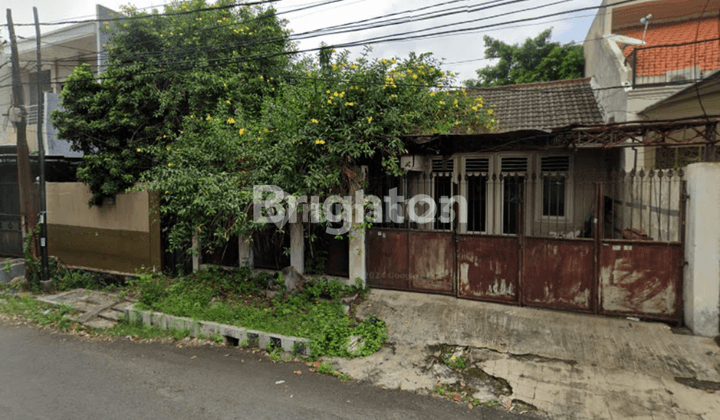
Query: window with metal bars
pixel 555 170
pixel 442 187
pixel 476 179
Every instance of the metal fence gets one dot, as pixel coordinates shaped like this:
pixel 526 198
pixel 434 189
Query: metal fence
pixel 636 205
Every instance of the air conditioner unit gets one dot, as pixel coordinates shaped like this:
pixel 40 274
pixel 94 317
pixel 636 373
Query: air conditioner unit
pixel 415 163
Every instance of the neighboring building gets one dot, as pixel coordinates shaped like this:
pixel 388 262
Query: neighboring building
pixel 661 68
pixel 62 50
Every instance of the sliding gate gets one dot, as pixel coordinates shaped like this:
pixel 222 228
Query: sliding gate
pixel 594 242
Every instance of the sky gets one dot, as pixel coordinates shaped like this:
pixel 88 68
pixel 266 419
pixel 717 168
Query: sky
pixel 462 52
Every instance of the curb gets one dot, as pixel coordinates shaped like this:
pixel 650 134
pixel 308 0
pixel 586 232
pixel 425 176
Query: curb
pixel 232 333
pixel 16 269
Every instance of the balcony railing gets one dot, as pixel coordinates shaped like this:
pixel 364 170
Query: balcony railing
pixel 661 65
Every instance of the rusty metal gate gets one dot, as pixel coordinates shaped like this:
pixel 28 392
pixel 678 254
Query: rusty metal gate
pixel 588 241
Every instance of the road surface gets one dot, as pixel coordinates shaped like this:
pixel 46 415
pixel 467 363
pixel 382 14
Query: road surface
pixel 45 375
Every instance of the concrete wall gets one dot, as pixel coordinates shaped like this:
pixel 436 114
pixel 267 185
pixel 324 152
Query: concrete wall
pixel 701 292
pixel 119 237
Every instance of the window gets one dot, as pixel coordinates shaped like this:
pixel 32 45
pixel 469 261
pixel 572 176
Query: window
pixel 476 177
pixel 442 187
pixel 513 170
pixel 555 170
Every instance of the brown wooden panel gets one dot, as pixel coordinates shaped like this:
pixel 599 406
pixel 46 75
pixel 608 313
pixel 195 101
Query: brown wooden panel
pixel 558 274
pixel 431 264
pixel 640 278
pixel 103 249
pixel 488 268
pixel 387 259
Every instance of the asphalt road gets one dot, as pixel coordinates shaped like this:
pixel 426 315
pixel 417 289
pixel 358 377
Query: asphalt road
pixel 57 376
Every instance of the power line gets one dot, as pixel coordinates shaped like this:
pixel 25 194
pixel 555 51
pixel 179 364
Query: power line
pixel 153 15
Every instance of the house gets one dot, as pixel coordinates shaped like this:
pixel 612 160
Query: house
pixel 118 237
pixel 62 50
pixel 534 198
pixel 654 61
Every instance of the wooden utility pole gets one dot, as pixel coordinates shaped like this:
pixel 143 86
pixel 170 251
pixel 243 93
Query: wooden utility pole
pixel 41 155
pixel 19 119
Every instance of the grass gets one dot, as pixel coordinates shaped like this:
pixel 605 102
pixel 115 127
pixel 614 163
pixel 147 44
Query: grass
pixel 237 298
pixel 29 308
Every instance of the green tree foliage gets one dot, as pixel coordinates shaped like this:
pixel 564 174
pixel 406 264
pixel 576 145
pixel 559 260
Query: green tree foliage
pixel 536 60
pixel 161 70
pixel 328 114
pixel 203 108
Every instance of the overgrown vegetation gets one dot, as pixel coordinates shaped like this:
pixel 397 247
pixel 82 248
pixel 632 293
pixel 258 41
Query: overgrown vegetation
pixel 238 298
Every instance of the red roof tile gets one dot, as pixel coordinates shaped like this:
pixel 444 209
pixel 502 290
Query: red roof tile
pixel 658 61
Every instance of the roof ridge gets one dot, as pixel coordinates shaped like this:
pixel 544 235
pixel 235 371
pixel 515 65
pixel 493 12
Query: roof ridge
pixel 536 84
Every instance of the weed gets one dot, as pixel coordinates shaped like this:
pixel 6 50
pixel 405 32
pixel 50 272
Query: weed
pixel 326 369
pixel 455 362
pixel 315 312
pixel 7 267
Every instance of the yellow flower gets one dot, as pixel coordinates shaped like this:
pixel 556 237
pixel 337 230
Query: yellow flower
pixel 393 96
pixel 490 111
pixel 170 164
pixel 167 192
pixel 432 93
pixel 314 120
pixel 319 141
pixel 208 118
pixel 168 148
pixel 231 120
pixel 139 149
pixel 369 120
pixel 241 131
pixel 327 91
pixel 228 101
pixel 349 103
pixel 342 94
pixel 442 102
pixel 329 101
pixel 414 76
pixel 192 116
pixel 335 94
pixel 492 120
pixel 353 66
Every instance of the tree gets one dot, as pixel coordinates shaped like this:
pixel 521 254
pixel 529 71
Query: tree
pixel 192 59
pixel 329 114
pixel 537 60
pixel 206 135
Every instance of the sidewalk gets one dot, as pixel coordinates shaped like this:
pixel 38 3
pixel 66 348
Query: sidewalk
pixel 568 366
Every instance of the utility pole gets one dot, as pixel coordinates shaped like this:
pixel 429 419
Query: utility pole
pixel 41 155
pixel 18 113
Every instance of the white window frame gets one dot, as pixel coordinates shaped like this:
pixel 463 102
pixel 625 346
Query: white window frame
pixel 569 188
pixel 498 226
pixel 489 198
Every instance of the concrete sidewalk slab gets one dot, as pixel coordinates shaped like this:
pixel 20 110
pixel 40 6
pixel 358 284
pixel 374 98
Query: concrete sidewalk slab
pixel 567 365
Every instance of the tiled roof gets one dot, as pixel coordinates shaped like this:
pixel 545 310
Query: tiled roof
pixel 538 106
pixel 658 61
